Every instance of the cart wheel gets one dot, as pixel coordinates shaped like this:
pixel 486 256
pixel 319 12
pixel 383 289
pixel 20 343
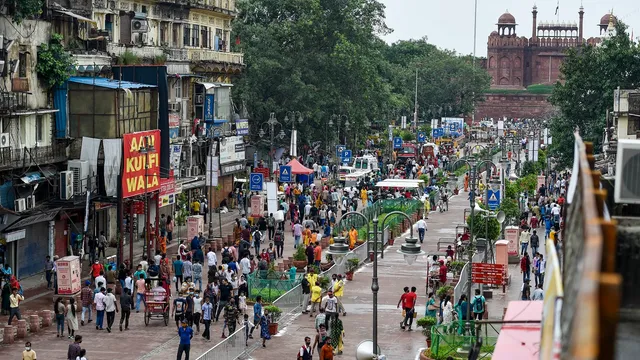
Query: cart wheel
pixel 166 319
pixel 146 318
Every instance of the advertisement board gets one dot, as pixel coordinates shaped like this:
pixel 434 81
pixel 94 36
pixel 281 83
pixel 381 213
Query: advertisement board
pixel 232 150
pixel 167 192
pixel 174 156
pixel 68 275
pixel 540 181
pixel 257 204
pixel 174 127
pixel 195 225
pixel 242 126
pixel 135 178
pixel 208 107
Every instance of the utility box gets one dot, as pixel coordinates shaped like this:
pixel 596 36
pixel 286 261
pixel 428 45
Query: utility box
pixel 68 275
pixel 195 225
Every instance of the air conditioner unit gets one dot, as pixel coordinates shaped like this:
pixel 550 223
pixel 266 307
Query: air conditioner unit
pixel 20 205
pixel 195 171
pixel 175 106
pixel 4 140
pixel 627 188
pixel 31 202
pixel 81 179
pixel 199 99
pixel 139 26
pixel 66 185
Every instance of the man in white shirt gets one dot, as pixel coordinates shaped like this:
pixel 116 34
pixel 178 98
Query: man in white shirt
pixel 422 228
pixel 330 306
pixel 538 294
pixel 246 266
pixel 100 279
pixel 128 282
pixel 98 301
pixel 212 259
pixel 111 307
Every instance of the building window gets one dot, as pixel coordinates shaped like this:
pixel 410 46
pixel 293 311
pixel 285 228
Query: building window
pixel 22 66
pixel 633 125
pixel 205 38
pixel 175 35
pixel 186 39
pixel 39 128
pixel 144 9
pixel 195 40
pixel 178 88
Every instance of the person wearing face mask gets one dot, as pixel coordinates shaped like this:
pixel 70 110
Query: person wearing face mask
pixel 28 353
pixel 185 333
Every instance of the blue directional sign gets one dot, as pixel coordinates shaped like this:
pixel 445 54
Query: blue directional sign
pixel 256 180
pixel 340 149
pixel 346 156
pixel 437 132
pixel 422 136
pixel 494 199
pixel 397 142
pixel 453 127
pixel 285 173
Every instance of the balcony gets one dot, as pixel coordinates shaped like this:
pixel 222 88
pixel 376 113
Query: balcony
pixel 24 157
pixel 226 7
pixel 20 85
pixel 12 101
pixel 178 54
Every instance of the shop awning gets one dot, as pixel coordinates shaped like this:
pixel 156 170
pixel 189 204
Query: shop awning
pixel 208 85
pixel 73 15
pixel 46 215
pixel 193 185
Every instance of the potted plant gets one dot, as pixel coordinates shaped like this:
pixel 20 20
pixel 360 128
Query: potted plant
pixel 327 265
pixel 350 267
pixel 444 291
pixel 456 190
pixel 456 266
pixel 324 282
pixel 300 258
pixel 274 314
pixel 426 323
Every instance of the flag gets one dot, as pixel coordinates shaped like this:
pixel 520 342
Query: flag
pixel 557 7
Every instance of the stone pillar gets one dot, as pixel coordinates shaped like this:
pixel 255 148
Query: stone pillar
pixel 47 317
pixel 22 328
pixel 534 31
pixel 580 31
pixel 34 323
pixel 8 335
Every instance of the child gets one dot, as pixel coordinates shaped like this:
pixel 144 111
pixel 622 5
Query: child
pixel 83 352
pixel 247 325
pixel 242 303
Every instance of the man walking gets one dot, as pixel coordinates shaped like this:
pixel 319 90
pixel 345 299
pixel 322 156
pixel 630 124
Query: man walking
pixel 306 294
pixel 98 301
pixel 126 303
pixel 525 267
pixel 111 308
pixel 207 316
pixel 177 271
pixel 534 241
pixel 48 271
pixel 14 305
pixel 408 301
pixel 86 297
pixel 185 333
pixel 257 315
pixel 330 306
pixel 478 304
pixel 422 228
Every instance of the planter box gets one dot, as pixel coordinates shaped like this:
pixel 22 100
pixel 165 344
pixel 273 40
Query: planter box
pixel 273 328
pixel 300 265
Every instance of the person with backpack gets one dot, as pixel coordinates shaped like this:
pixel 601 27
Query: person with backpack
pixel 279 243
pixel 525 290
pixel 525 267
pixel 478 306
pixel 271 226
pixel 226 254
pixel 257 240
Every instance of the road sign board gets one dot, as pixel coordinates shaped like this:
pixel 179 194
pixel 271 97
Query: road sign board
pixel 346 156
pixel 494 199
pixel 262 170
pixel 489 274
pixel 285 173
pixel 422 136
pixel 397 142
pixel 340 149
pixel 256 180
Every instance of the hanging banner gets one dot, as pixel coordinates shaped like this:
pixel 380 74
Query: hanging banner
pixel 174 156
pixel 167 192
pixel 137 180
pixel 174 127
pixel 213 168
pixel 208 107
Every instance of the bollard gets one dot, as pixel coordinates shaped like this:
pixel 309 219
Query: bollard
pixel 47 317
pixel 8 335
pixel 34 323
pixel 22 328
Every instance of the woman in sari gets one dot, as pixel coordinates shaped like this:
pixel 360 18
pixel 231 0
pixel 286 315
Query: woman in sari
pixel 337 333
pixel 264 328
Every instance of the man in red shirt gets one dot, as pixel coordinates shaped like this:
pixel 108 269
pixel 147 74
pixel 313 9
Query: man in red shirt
pixel 96 267
pixel 443 273
pixel 408 300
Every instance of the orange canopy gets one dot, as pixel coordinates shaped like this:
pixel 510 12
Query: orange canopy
pixel 297 168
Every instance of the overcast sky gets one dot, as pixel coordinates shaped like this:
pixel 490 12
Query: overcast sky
pixel 449 23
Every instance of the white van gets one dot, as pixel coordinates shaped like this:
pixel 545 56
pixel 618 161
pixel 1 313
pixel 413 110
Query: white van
pixel 344 171
pixel 367 162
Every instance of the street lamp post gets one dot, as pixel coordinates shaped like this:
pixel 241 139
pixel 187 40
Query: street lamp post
pixel 409 249
pixel 295 115
pixel 271 125
pixel 338 120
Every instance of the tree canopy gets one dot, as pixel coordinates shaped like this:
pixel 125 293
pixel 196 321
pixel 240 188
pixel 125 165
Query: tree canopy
pixel 590 74
pixel 325 57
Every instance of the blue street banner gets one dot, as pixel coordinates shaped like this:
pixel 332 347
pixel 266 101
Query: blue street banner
pixel 340 149
pixel 346 156
pixel 208 107
pixel 242 127
pixel 256 180
pixel 422 136
pixel 494 199
pixel 285 173
pixel 397 142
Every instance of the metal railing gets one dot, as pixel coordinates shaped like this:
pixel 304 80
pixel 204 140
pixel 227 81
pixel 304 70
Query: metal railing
pixel 447 340
pixel 271 284
pixel 229 349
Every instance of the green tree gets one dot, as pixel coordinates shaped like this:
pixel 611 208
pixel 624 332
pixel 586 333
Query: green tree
pixel 53 62
pixel 485 227
pixel 510 208
pixel 19 10
pixel 589 76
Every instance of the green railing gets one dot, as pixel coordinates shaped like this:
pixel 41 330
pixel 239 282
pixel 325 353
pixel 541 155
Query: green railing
pixel 271 284
pixel 380 208
pixel 455 339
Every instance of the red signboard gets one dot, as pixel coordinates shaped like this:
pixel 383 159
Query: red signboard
pixel 489 274
pixel 262 170
pixel 136 179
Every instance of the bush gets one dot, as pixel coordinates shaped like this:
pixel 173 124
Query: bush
pixel 456 266
pixel 426 322
pixel 300 254
pixel 324 282
pixel 443 291
pixel 267 294
pixel 274 312
pixel 352 265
